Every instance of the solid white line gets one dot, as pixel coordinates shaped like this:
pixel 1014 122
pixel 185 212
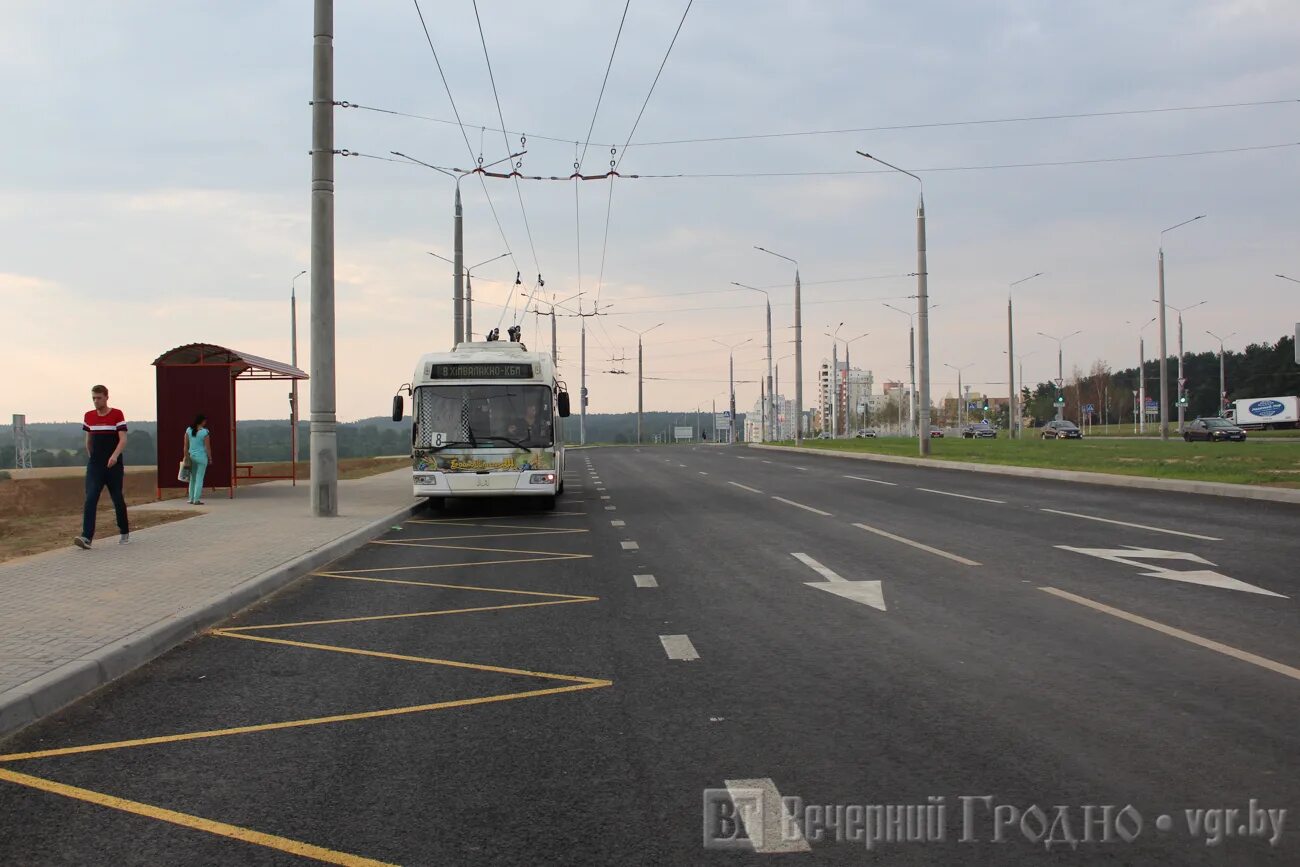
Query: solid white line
pixel 645 580
pixel 679 647
pixel 802 506
pixel 1226 650
pixel 746 487
pixel 875 481
pixel 618 523
pixel 963 496
pixel 630 546
pixel 764 829
pixel 953 557
pixel 821 570
pixel 1139 526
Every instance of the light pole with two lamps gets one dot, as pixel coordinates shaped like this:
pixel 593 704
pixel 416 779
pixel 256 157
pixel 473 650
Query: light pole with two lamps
pixel 639 374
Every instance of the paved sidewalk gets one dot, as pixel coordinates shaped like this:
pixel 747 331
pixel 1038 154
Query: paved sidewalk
pixel 71 620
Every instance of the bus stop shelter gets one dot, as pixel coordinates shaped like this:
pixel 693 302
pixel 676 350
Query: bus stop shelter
pixel 201 378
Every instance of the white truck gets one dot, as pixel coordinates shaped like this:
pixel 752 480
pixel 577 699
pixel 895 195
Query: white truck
pixel 1265 413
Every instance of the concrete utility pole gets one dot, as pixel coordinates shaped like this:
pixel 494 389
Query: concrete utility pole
pixel 731 380
pixel 1223 382
pixel 458 271
pixel 960 399
pixel 469 288
pixel 582 397
pixel 1164 351
pixel 293 388
pixel 1182 380
pixel 1142 378
pixel 911 365
pixel 1012 397
pixel 324 439
pixel 770 425
pixel 640 379
pixel 798 347
pixel 922 307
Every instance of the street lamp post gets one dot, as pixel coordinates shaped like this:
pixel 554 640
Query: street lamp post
pixel 922 308
pixel 731 382
pixel 848 368
pixel 1012 401
pixel 911 364
pixel 1060 366
pixel 639 374
pixel 1223 383
pixel 798 347
pixel 1164 350
pixel 293 387
pixel 469 286
pixel 770 433
pixel 1182 381
pixel 1141 421
pixel 961 402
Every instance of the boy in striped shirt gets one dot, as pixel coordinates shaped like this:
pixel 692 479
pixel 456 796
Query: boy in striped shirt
pixel 105 429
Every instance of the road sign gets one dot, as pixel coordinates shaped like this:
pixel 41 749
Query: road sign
pixel 1087 407
pixel 1152 405
pixel 972 406
pixel 683 433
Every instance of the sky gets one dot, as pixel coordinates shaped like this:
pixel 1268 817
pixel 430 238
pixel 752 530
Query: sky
pixel 155 183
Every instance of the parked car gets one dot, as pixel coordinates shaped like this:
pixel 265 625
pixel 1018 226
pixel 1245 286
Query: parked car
pixel 936 433
pixel 825 435
pixel 869 433
pixel 984 431
pixel 1062 430
pixel 1213 430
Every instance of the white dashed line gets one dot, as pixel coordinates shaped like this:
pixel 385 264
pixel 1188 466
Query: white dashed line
pixel 604 496
pixel 618 523
pixel 759 806
pixel 679 647
pixel 701 472
pixel 805 469
pixel 919 545
pixel 745 487
pixel 1139 526
pixel 802 506
pixel 610 508
pixel 873 481
pixel 963 496
pixel 645 581
pixel 630 546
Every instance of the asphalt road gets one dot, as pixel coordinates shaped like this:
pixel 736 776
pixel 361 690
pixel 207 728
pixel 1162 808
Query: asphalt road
pixel 494 684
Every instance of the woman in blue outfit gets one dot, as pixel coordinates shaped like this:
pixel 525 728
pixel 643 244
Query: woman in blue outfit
pixel 199 448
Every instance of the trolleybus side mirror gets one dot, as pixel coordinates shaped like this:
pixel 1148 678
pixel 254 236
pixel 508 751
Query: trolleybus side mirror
pixel 562 404
pixel 398 409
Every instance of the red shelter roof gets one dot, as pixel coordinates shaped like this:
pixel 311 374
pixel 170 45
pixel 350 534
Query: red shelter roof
pixel 242 365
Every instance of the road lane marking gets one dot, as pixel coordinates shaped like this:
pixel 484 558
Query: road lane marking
pixel 630 546
pixel 703 473
pixel 825 572
pixel 1139 526
pixel 746 487
pixel 645 581
pixel 873 481
pixel 679 647
pixel 604 496
pixel 802 506
pixel 805 469
pixel 618 523
pixel 767 462
pixel 683 466
pixel 914 544
pixel 185 820
pixel 610 508
pixel 1208 644
pixel 963 496
pixel 760 808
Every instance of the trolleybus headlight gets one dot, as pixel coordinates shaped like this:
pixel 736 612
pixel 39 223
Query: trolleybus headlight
pixel 542 479
pixel 426 479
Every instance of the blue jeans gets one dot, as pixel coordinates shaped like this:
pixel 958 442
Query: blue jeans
pixel 98 477
pixel 197 469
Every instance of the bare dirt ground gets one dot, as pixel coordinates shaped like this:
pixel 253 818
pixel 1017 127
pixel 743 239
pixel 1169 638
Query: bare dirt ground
pixel 40 509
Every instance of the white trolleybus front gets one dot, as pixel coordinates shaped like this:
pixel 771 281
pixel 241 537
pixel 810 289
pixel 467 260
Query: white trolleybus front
pixel 487 421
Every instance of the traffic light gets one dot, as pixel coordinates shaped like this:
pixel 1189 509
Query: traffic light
pixel 1182 400
pixel 986 404
pixel 1060 398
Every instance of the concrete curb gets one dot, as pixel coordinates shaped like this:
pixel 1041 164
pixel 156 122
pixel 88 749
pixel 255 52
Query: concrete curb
pixel 36 699
pixel 1184 486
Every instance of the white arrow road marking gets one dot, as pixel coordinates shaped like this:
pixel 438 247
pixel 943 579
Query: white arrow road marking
pixel 866 592
pixel 759 806
pixel 1131 556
